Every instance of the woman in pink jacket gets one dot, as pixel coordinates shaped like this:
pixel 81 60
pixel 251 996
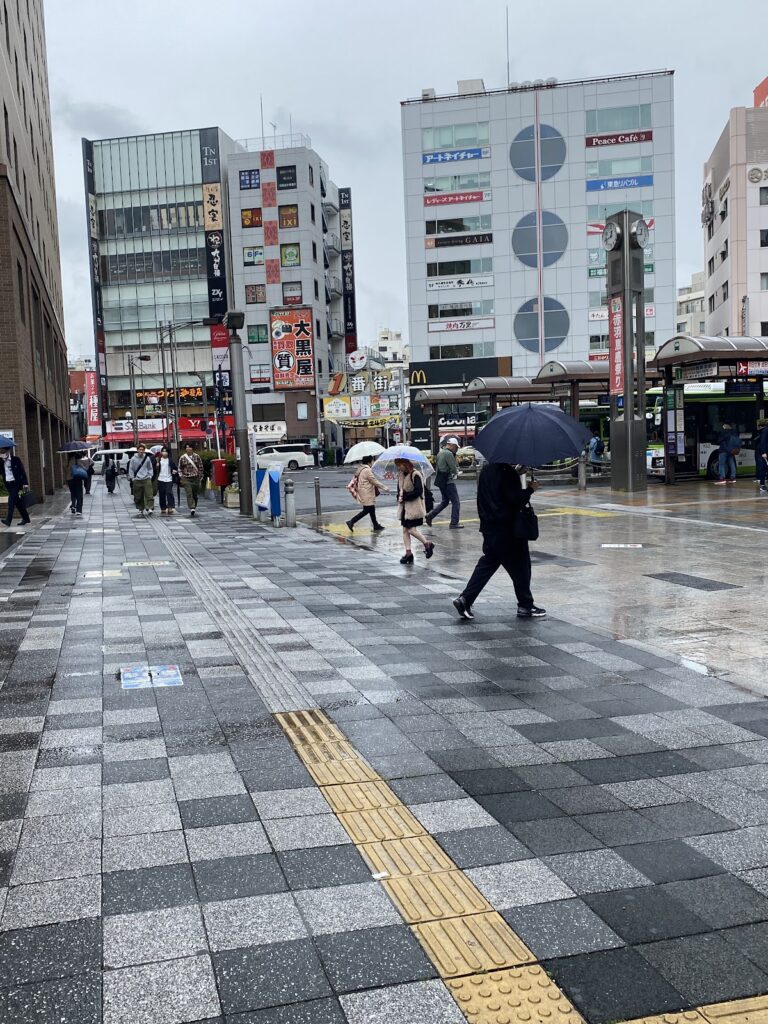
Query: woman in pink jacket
pixel 368 489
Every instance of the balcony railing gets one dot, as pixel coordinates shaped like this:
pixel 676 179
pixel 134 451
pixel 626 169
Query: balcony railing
pixel 333 284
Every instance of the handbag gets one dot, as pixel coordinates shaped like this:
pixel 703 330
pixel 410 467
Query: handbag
pixel 352 487
pixel 28 499
pixel 78 473
pixel 429 499
pixel 526 524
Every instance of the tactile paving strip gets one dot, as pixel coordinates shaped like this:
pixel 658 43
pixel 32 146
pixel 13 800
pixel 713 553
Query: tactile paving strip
pixel 326 750
pixel 360 796
pixel 379 824
pixel 472 945
pixel 308 727
pixel 336 773
pixel 419 855
pixel 444 894
pixel 738 1011
pixel 685 1017
pixel 521 995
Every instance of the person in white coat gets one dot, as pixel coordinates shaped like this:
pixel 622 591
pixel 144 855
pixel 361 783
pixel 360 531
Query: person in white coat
pixel 366 490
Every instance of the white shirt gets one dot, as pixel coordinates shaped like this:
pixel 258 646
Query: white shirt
pixel 165 471
pixel 8 471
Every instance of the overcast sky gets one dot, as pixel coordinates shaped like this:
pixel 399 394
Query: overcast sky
pixel 340 70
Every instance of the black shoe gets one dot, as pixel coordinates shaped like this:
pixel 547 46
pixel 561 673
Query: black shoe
pixel 428 520
pixel 350 526
pixel 462 607
pixel 377 528
pixel 192 511
pixel 429 550
pixel 72 509
pixel 531 613
pixel 457 526
pixel 407 558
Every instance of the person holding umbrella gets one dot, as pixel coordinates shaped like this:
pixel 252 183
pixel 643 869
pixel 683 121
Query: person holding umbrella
pixel 14 477
pixel 365 488
pixel 410 498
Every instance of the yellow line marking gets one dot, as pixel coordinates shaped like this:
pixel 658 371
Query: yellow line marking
pixel 472 945
pixel 442 894
pixel 521 995
pixel 685 1017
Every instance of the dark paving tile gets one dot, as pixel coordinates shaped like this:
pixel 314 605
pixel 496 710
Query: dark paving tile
pixel 645 914
pixel 562 928
pixel 217 810
pixel 554 835
pixel 705 968
pixel 751 940
pixel 6 867
pixel 12 805
pixel 373 957
pixel 617 828
pixel 683 579
pixel 585 799
pixel 76 998
pixel 489 780
pixel 426 789
pixel 64 757
pixel 715 757
pixel 274 975
pixel 229 878
pixel 478 847
pixel 550 776
pixel 663 762
pixel 11 741
pixel 49 951
pixel 463 759
pixel 124 892
pixel 610 769
pixel 512 807
pixel 721 901
pixel 668 861
pixel 317 1011
pixel 579 729
pixel 615 984
pixel 686 819
pixel 323 866
pixel 150 769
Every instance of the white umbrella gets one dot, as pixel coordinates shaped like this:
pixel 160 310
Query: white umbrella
pixel 361 449
pixel 384 466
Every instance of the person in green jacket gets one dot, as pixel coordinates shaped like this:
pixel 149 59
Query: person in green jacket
pixel 445 480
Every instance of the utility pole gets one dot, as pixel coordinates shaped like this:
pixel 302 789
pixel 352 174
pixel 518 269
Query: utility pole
pixel 235 322
pixel 134 410
pixel 161 353
pixel 174 379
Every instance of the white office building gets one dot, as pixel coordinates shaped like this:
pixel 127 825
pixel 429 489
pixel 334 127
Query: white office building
pixel 734 218
pixel 691 307
pixel 506 194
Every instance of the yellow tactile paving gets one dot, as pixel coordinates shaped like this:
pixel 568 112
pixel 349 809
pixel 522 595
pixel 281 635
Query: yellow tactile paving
pixel 472 945
pixel 308 727
pixel 684 1017
pixel 421 898
pixel 417 856
pixel 360 796
pixel 381 823
pixel 336 773
pixel 738 1011
pixel 326 750
pixel 521 995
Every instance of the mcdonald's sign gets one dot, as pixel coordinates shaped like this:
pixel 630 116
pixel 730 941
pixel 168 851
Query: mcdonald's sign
pixel 418 377
pixel 453 372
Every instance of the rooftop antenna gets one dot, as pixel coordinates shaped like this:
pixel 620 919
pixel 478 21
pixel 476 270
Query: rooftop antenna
pixel 261 105
pixel 274 134
pixel 507 35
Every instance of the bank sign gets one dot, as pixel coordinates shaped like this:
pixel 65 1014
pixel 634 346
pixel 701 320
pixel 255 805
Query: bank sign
pixel 610 184
pixel 451 155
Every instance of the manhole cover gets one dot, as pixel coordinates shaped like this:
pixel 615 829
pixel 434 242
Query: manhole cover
pixel 147 564
pixel 143 677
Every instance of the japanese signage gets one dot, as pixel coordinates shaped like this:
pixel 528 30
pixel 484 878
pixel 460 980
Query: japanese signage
pixel 255 293
pixel 146 396
pixel 92 414
pixel 220 347
pixel 286 177
pixel 251 217
pixel 258 334
pixel 288 216
pixel 356 408
pixel 126 426
pixel 293 356
pixel 699 371
pixel 93 217
pixel 450 155
pixel 96 296
pixel 479 324
pixel 253 256
pixel 631 181
pixel 209 155
pixel 618 138
pixel 347 270
pixel 596 315
pixel 757 367
pixel 290 255
pixel 212 209
pixel 616 347
pixel 292 293
pixel 214 255
pixel 250 179
pixel 273 430
pixel 603 271
pixel 439 284
pixel 339 407
pixel 260 373
pixel 447 241
pixel 448 198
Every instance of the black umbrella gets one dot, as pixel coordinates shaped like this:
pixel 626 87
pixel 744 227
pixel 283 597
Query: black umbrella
pixel 531 435
pixel 74 446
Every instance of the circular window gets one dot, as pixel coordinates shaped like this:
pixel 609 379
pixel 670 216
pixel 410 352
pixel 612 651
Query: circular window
pixel 554 237
pixel 556 324
pixel 522 152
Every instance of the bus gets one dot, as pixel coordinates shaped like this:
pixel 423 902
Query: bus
pixel 706 407
pixel 595 414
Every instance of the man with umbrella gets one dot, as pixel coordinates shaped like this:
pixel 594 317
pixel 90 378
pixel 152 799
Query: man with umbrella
pixel 14 476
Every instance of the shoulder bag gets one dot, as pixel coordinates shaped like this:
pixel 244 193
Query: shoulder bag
pixel 526 524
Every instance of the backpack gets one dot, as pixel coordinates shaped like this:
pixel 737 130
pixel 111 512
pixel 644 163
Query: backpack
pixel 600 447
pixel 78 473
pixel 352 487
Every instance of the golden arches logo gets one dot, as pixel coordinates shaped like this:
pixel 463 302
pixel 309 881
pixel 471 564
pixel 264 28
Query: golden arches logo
pixel 418 377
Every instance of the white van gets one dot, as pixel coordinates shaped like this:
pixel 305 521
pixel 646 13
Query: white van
pixel 292 456
pixel 121 457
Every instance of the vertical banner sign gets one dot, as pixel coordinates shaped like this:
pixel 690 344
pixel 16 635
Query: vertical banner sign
pixel 95 270
pixel 92 414
pixel 216 272
pixel 220 347
pixel 347 270
pixel 293 352
pixel 616 346
pixel 215 249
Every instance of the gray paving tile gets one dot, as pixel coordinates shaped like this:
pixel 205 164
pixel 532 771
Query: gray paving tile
pixel 344 908
pixel 50 902
pixel 134 750
pixel 62 860
pixel 289 803
pixel 65 828
pixel 720 900
pixel 644 793
pixel 705 968
pixel 168 885
pixel 735 851
pixel 76 776
pixel 253 921
pixel 519 884
pixel 60 999
pixel 323 866
pixel 562 928
pixel 401 1004
pixel 596 871
pixel 305 832
pixel 153 935
pixel 201 764
pixel 477 847
pixel 553 835
pixel 161 993
pixel 50 951
pixel 229 878
pixel 126 821
pixel 452 815
pixel 373 957
pixel 145 850
pixel 239 839
pixel 273 975
pixel 191 787
pixel 63 801
pixel 669 861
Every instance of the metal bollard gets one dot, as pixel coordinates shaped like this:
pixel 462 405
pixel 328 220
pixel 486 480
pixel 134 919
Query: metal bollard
pixel 318 503
pixel 290 503
pixel 583 471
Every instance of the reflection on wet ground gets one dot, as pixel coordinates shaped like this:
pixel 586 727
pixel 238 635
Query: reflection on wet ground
pixel 7 540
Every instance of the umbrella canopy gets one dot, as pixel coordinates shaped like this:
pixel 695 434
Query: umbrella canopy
pixel 74 446
pixel 361 449
pixel 385 469
pixel 156 448
pixel 6 442
pixel 531 435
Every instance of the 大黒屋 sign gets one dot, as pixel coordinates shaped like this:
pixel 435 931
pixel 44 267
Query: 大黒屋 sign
pixel 293 359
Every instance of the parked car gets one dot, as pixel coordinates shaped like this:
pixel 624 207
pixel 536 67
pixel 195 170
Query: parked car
pixel 121 456
pixel 292 456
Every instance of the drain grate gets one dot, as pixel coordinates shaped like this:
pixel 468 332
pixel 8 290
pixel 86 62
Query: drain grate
pixel 682 579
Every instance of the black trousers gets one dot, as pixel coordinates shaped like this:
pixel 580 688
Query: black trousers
pixel 76 492
pixel 514 556
pixel 367 510
pixel 14 504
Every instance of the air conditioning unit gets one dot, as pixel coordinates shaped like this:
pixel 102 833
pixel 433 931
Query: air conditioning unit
pixel 427 94
pixel 551 81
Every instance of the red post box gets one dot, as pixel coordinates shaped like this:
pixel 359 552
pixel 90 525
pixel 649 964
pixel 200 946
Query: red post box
pixel 219 473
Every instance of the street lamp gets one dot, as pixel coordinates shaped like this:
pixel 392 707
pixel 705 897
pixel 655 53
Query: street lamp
pixel 235 322
pixel 168 330
pixel 132 361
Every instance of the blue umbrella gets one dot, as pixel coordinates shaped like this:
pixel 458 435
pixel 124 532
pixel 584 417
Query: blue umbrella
pixel 6 442
pixel 74 446
pixel 531 435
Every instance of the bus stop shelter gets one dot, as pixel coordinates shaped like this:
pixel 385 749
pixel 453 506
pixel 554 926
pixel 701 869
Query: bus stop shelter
pixel 430 400
pixel 578 379
pixel 507 390
pixel 739 363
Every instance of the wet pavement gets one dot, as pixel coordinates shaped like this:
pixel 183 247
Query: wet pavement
pixel 359 808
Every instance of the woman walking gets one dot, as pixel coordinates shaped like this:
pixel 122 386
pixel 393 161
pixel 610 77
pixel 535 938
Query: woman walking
pixel 110 473
pixel 366 489
pixel 77 474
pixel 167 474
pixel 14 476
pixel 410 497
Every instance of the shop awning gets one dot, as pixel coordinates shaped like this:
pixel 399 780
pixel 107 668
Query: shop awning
pixel 125 440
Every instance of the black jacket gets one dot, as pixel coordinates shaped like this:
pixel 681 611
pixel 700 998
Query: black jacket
pixel 500 496
pixel 761 448
pixel 19 473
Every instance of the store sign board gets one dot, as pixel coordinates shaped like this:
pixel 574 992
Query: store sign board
pixel 596 315
pixel 612 184
pixel 617 138
pixel 92 414
pixel 450 198
pixel 758 368
pixel 616 346
pixel 478 324
pixel 439 284
pixel 699 371
pixel 449 241
pixel 293 357
pixel 451 155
